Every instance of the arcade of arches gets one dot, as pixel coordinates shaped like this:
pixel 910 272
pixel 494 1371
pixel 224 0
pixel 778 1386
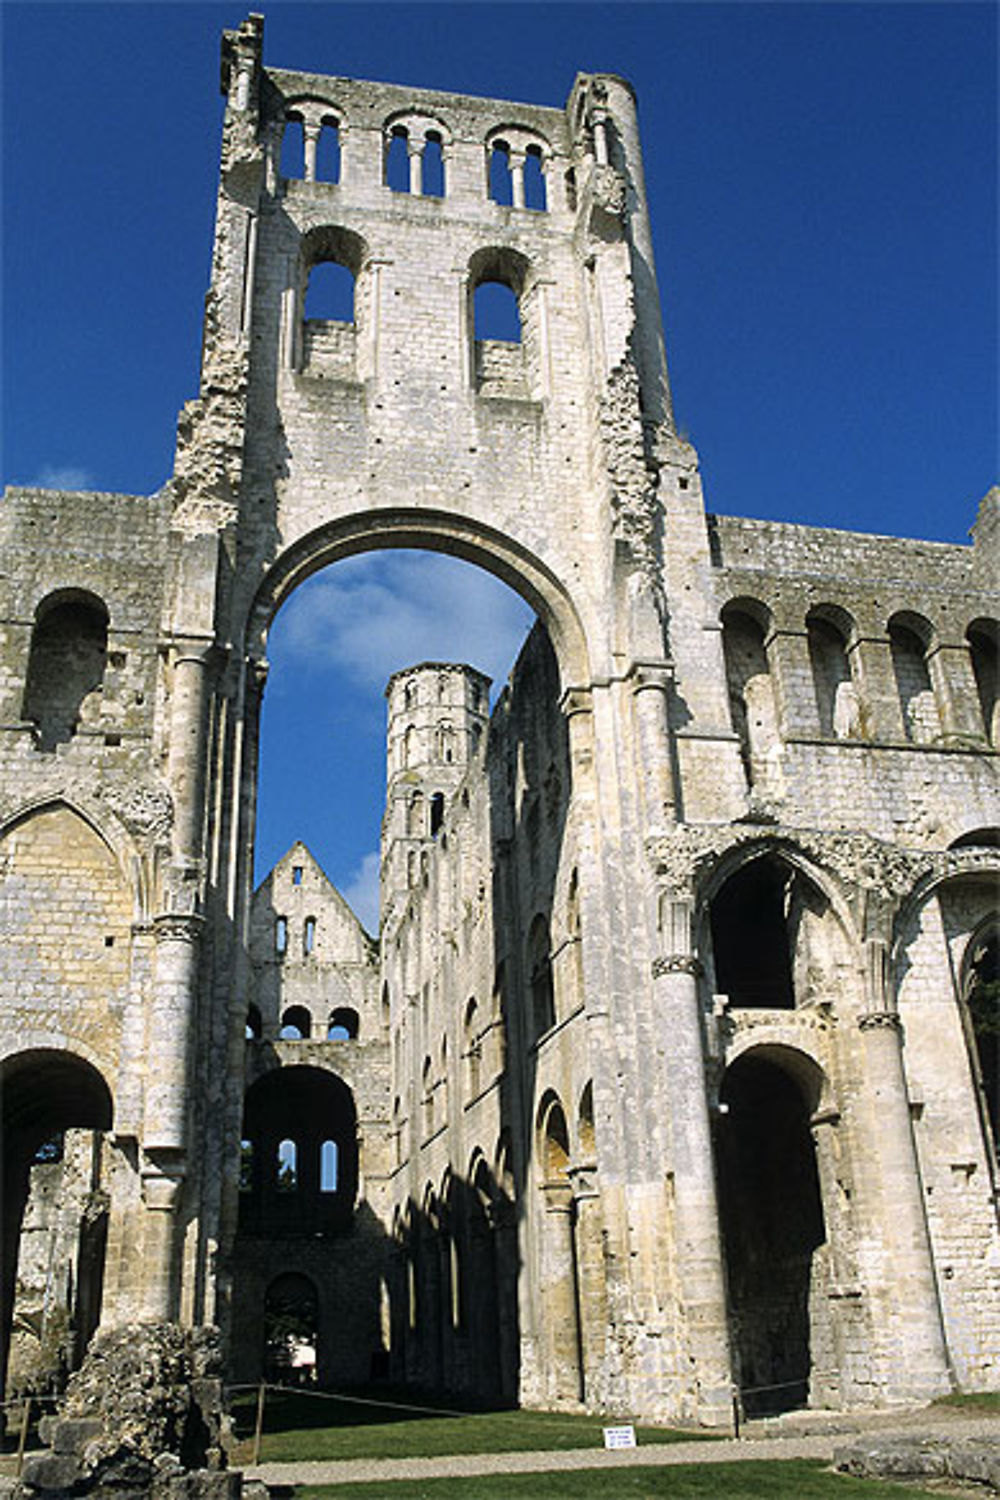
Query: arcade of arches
pixel 673 1062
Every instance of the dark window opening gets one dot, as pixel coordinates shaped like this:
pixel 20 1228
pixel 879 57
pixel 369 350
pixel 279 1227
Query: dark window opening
pixel 246 1166
pixel 750 937
pixel 543 1009
pixel 343 1025
pixel 437 813
pixel 254 1025
pixel 983 1004
pixel 772 1224
pixel 65 669
pixel 296 1024
pixel 50 1150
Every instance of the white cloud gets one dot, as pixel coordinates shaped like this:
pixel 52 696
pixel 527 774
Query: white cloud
pixel 372 615
pixel 62 477
pixel 361 892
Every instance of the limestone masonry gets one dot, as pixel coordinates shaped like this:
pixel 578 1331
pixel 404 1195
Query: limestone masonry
pixel 673 1070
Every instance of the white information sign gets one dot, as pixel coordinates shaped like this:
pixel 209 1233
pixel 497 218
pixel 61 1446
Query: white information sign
pixel 619 1437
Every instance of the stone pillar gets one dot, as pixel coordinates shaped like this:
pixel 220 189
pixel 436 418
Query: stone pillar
pixel 698 1246
pixel 188 725
pixel 559 1291
pixel 310 144
pixel 791 671
pixel 870 658
pixel 592 1287
pixel 516 163
pixel 949 664
pixel 175 978
pixel 415 155
pixel 917 1357
pixel 650 686
pixel 161 1190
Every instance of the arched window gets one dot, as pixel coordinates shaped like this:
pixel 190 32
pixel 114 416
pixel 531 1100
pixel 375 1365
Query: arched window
pixel 343 1025
pixel 588 1145
pixel 534 180
pixel 750 937
pixel 410 696
pixel 751 691
pixel 397 160
pixel 427 1085
pixel 473 1049
pixel 281 936
pixel 504 317
pixel 287 1166
pixel 836 699
pixel 983 637
pixel 254 1023
pixel 332 261
pixel 409 747
pixel 328 156
pixel 555 1142
pixel 328 1167
pixel 437 812
pixel 501 182
pixel 309 936
pixel 432 166
pixel 909 637
pixel 543 1008
pixel 66 663
pixel 296 1024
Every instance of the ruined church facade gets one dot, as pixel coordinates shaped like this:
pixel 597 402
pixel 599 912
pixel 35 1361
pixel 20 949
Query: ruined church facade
pixel 672 1069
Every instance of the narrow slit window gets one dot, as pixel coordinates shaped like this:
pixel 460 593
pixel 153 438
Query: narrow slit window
pixel 246 1166
pixel 437 813
pixel 281 936
pixel 296 875
pixel 288 1173
pixel 328 1167
pixel 309 936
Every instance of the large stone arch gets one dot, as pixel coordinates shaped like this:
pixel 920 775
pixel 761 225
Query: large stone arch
pixel 439 531
pixel 44 1092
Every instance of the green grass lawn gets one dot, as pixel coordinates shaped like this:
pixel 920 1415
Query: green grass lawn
pixel 298 1426
pixel 792 1479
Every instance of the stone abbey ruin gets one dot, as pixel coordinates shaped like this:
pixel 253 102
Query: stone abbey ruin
pixel 674 1067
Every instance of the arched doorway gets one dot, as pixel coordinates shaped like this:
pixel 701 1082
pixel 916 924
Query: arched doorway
pixel 291 1330
pixel 43 1094
pixel 772 1223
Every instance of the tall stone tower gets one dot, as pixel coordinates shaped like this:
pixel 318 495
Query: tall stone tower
pixel 437 717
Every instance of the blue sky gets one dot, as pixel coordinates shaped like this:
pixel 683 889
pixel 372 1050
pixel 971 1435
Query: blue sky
pixel 822 183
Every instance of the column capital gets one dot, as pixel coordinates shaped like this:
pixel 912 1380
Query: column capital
pixel 880 1020
pixel 677 963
